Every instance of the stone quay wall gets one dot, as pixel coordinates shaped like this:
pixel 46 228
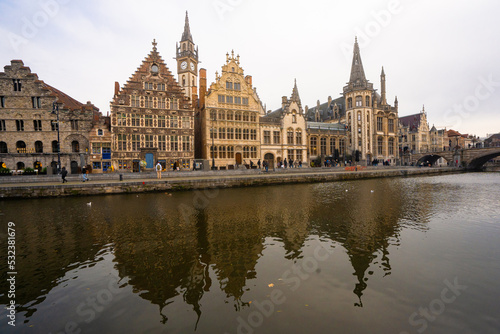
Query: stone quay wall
pixel 211 180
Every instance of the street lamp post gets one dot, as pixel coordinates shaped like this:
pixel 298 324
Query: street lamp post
pixel 55 110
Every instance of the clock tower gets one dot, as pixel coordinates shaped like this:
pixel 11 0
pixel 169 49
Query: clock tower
pixel 187 62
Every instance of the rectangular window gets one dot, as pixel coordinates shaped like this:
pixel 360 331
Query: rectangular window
pixel 122 142
pixel 186 123
pixel 229 85
pixel 323 146
pixel 174 122
pixel 237 86
pixel 359 101
pixel 185 143
pixel 54 125
pixel 237 100
pixel 253 152
pixel 175 104
pixel 74 124
pixel 246 152
pixel 160 86
pixel 19 125
pixel 148 85
pixel 314 146
pixel 96 165
pixel 2 125
pixel 245 101
pixel 230 133
pixel 136 142
pixel 161 121
pixel 148 120
pixel 267 137
pixel 237 116
pixel 174 143
pixel 148 102
pixel 253 134
pixel 122 164
pixel 162 142
pixel 298 138
pixel 229 116
pixel 379 123
pixel 229 99
pixel 276 137
pixel 332 146
pixel 213 133
pixel 245 117
pixel 96 148
pixel 298 155
pixel 246 134
pixel 253 118
pixel 222 133
pixel 2 101
pixel 222 99
pixel 36 102
pixel 106 165
pixel 237 134
pixel 230 152
pixel 290 155
pixel 135 101
pixel 391 125
pixel 149 141
pixel 37 125
pixel 161 103
pixel 17 85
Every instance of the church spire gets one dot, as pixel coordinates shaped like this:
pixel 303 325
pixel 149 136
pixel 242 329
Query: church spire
pixel 186 35
pixel 382 85
pixel 357 71
pixel 295 93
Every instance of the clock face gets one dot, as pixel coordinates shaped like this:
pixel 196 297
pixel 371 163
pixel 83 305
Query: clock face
pixel 154 68
pixel 184 65
pixel 192 66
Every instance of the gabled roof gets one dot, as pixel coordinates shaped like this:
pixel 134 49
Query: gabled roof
pixel 325 112
pixel 67 101
pixel 453 133
pixel 411 121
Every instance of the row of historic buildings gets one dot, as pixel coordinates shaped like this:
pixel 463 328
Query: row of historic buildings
pixel 156 117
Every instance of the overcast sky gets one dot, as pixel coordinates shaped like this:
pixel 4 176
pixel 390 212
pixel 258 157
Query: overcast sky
pixel 442 54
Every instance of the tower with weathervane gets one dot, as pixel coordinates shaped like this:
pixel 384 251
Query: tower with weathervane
pixel 187 62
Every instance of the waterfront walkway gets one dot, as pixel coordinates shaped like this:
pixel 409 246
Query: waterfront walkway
pixel 51 185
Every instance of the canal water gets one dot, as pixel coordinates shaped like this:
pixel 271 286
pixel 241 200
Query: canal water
pixel 399 255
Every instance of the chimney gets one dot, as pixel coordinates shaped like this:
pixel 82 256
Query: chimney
pixel 329 101
pixel 248 79
pixel 203 87
pixel 117 88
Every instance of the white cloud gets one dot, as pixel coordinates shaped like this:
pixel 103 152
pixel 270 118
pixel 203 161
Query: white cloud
pixel 433 52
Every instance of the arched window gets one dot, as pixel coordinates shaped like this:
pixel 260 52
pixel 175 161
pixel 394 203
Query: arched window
pixel 367 100
pixel 21 147
pixel 298 137
pixel 20 165
pixel 391 146
pixel 54 146
pixel 3 147
pixel 289 136
pixel 359 101
pixel 349 102
pixel 75 146
pixel 38 146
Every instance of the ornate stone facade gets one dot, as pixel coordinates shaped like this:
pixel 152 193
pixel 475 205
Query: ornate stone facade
pixel 151 119
pixel 230 118
pixel 372 122
pixel 283 133
pixel 28 125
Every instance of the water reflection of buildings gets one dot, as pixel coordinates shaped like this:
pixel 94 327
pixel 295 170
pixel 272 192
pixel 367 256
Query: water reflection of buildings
pixel 165 253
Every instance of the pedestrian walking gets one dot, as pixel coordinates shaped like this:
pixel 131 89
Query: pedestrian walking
pixel 258 163
pixel 158 170
pixel 84 174
pixel 64 172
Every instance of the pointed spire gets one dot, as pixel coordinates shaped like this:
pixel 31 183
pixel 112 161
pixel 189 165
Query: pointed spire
pixel 295 92
pixel 357 71
pixel 383 99
pixel 154 45
pixel 186 35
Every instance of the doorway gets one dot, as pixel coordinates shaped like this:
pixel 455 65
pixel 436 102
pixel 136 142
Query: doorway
pixel 238 158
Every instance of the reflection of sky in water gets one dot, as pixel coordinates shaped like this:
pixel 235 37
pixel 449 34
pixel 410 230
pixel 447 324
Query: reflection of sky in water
pixel 202 260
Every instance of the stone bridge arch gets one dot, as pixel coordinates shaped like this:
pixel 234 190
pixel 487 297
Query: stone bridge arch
pixel 432 158
pixel 477 161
